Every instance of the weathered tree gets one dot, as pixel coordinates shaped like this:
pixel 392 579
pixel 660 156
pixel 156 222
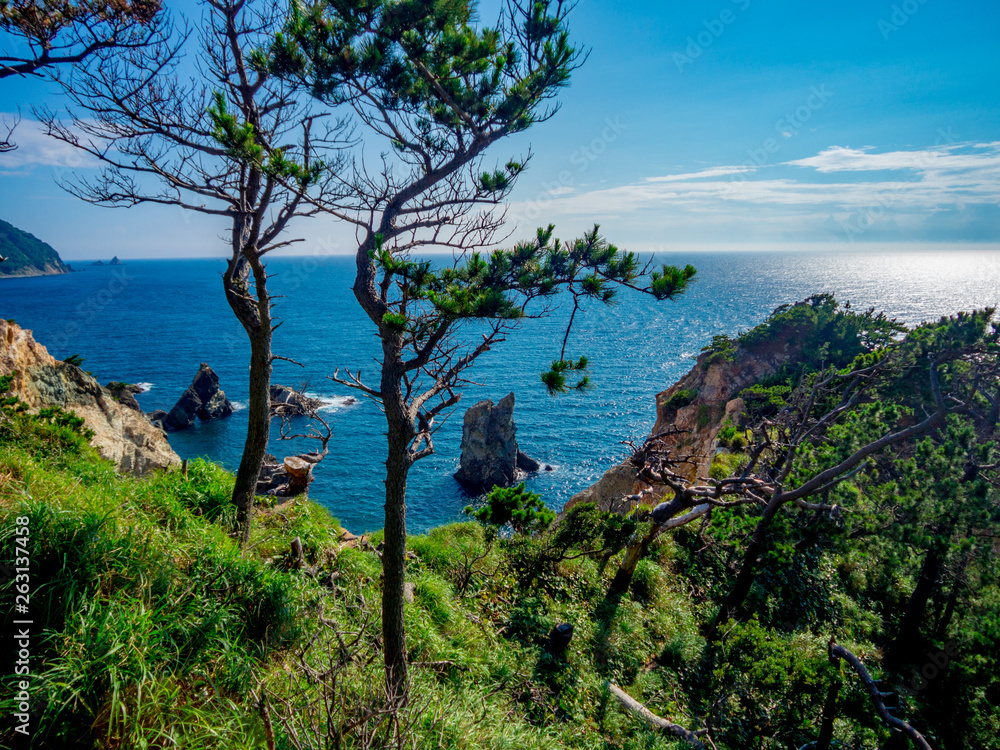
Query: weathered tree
pixel 40 36
pixel 838 653
pixel 439 92
pixel 234 142
pixel 51 33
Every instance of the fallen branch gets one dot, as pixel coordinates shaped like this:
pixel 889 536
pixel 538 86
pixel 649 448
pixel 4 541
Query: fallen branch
pixel 657 722
pixel 838 652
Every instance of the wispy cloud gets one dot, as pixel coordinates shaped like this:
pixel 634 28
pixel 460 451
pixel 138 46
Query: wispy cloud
pixel 703 174
pixel 898 190
pixel 37 150
pixel 950 159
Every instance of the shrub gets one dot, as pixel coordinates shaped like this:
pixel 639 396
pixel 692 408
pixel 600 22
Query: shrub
pixel 523 510
pixel 722 349
pixel 681 398
pixel 731 437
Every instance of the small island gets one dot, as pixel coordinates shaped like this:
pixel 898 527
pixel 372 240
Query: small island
pixel 24 254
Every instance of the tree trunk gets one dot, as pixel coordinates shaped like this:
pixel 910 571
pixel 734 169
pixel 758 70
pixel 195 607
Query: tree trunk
pixel 394 572
pixel 255 317
pixel 829 716
pixel 748 570
pixel 913 616
pixel 626 571
pixel 662 513
pixel 397 467
pixel 258 432
pixel 949 610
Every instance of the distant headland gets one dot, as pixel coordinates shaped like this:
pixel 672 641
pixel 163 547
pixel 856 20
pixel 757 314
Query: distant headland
pixel 23 254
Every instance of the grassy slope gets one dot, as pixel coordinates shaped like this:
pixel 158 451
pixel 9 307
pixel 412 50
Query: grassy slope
pixel 154 629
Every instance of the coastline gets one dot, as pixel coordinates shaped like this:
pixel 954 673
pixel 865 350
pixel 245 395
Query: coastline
pixel 47 270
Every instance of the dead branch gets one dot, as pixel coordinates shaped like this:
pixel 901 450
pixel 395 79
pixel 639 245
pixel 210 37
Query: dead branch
pixel 838 652
pixel 657 722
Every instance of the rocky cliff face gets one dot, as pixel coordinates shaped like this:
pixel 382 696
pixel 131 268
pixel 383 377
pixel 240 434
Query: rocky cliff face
pixel 699 404
pixel 121 435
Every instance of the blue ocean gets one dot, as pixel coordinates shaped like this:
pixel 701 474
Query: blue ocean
pixel 153 321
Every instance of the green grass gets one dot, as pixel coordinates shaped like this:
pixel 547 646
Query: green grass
pixel 154 629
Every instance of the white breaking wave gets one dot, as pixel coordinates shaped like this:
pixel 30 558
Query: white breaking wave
pixel 146 387
pixel 332 403
pixel 238 405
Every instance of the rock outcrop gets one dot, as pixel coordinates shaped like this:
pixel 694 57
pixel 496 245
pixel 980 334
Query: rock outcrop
pixel 699 404
pixel 203 399
pixel 287 402
pixel 125 393
pixel 490 456
pixel 289 478
pixel 121 434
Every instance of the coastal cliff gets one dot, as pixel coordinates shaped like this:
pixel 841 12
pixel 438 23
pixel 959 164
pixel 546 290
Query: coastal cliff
pixel 700 404
pixel 26 255
pixel 121 435
pixel 756 365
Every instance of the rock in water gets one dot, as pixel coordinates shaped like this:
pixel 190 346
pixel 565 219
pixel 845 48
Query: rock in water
pixel 214 403
pixel 287 401
pixel 203 399
pixel 121 435
pixel 490 456
pixel 527 464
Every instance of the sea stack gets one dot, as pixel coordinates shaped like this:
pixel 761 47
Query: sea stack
pixel 490 456
pixel 203 399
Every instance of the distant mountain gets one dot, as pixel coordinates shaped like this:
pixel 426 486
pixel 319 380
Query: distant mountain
pixel 26 255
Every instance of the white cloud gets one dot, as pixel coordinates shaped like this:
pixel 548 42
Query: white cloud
pixel 35 149
pixel 705 173
pixel 952 181
pixel 952 159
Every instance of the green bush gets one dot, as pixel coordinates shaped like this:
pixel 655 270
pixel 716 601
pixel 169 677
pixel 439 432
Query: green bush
pixel 681 398
pixel 524 511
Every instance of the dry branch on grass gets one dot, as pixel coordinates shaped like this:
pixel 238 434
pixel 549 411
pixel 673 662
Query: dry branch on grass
pixel 635 708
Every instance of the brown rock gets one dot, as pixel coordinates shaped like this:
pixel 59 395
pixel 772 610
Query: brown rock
pixel 121 435
pixel 490 456
pixel 716 385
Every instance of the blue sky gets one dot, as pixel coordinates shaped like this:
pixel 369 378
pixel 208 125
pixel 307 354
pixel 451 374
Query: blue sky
pixel 698 125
